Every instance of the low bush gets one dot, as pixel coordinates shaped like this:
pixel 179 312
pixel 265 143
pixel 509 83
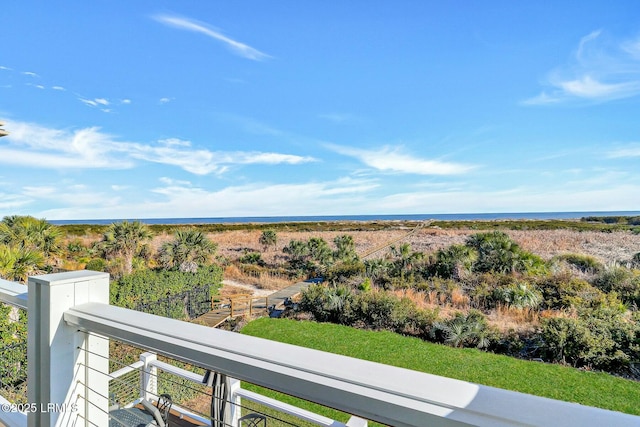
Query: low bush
pixel 625 282
pixel 598 339
pixel 563 291
pixel 584 263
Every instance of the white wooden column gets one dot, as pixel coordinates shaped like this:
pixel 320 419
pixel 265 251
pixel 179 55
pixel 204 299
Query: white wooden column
pixel 149 377
pixel 236 402
pixel 67 372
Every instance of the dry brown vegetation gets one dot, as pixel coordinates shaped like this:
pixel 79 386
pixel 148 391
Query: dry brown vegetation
pixel 605 247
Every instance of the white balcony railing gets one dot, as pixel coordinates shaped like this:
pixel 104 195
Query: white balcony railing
pixel 69 319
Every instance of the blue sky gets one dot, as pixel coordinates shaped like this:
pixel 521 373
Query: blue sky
pixel 153 109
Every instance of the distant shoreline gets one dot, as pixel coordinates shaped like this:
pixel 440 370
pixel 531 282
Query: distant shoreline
pixel 356 218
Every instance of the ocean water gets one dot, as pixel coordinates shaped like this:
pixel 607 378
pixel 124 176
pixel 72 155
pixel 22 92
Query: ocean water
pixel 324 218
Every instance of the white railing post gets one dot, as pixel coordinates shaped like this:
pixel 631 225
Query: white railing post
pixel 68 370
pixel 148 377
pixel 236 402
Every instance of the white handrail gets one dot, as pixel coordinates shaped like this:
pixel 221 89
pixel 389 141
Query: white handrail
pixel 13 293
pixel 126 369
pixel 383 393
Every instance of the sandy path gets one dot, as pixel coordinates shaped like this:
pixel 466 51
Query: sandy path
pixel 254 289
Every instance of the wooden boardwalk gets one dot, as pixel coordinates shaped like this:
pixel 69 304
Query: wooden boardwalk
pixel 247 304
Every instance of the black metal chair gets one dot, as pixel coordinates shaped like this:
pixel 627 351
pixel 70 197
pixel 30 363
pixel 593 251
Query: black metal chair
pixel 253 420
pixel 163 404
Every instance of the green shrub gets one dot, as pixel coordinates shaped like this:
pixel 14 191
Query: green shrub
pixel 365 286
pixel 564 291
pixel 149 285
pixel 584 263
pixel 96 264
pixel 327 303
pixel 625 282
pixel 599 339
pixel 344 270
pixel 381 310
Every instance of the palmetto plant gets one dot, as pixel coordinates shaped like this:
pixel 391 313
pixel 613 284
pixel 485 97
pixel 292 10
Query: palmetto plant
pixel 345 248
pixel 189 249
pixel 405 258
pixel 497 253
pixel 376 268
pixel 455 262
pixel 464 330
pixel 519 295
pixel 297 251
pixel 319 250
pixel 18 263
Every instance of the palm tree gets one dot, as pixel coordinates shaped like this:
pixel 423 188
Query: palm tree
pixel 187 251
pixel 123 240
pixel 268 238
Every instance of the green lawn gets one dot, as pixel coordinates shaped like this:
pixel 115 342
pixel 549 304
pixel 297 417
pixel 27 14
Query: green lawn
pixel 553 381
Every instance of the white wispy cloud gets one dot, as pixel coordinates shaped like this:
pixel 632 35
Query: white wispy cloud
pixel 89 102
pixel 237 47
pixel 165 100
pixel 30 74
pixel 203 162
pixel 600 70
pixel 90 148
pixel 13 202
pixel 338 117
pixel 95 102
pixel 85 148
pixel 60 88
pixel 631 150
pixel 2 67
pixel 393 159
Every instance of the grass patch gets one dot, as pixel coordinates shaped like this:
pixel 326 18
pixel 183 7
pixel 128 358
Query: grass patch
pixel 553 381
